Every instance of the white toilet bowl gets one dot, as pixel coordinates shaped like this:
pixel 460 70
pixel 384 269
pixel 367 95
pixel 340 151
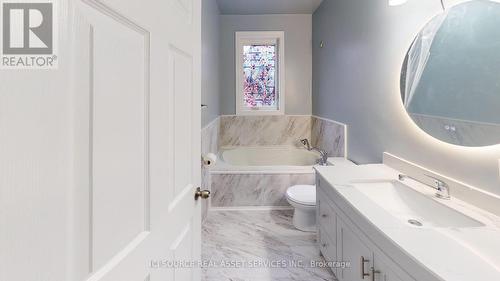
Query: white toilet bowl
pixel 303 199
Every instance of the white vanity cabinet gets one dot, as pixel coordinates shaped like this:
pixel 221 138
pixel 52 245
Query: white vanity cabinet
pixel 352 249
pixel 384 271
pixel 327 229
pixel 340 239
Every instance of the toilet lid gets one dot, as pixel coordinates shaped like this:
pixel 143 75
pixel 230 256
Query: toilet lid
pixel 302 194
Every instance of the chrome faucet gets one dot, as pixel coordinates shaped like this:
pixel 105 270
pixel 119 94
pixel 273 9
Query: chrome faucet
pixel 443 190
pixel 323 160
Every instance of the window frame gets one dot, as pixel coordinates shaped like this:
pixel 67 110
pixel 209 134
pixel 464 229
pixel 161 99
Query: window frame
pixel 260 37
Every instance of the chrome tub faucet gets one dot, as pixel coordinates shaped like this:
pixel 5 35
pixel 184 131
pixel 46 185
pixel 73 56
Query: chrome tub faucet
pixel 323 160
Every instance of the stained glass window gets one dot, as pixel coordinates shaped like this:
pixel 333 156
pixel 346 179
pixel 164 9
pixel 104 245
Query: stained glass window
pixel 259 76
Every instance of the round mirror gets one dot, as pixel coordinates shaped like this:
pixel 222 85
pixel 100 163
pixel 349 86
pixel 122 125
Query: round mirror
pixel 450 80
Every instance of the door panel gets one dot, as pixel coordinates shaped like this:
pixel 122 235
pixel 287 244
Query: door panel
pixel 143 131
pixel 352 249
pixel 120 132
pixel 182 250
pixel 388 270
pixel 181 77
pixel 101 156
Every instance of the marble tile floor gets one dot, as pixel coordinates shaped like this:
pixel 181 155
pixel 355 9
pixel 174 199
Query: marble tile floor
pixel 238 243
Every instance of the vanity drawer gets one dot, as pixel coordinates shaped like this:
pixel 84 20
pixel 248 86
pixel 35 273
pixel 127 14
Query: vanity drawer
pixel 327 246
pixel 327 217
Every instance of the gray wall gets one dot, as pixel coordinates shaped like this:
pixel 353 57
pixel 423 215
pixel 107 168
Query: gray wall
pixel 210 88
pixel 356 81
pixel 298 68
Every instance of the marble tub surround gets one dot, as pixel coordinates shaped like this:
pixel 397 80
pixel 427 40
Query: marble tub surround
pixel 210 137
pixel 329 136
pixel 253 189
pixel 264 130
pixel 209 144
pixel 256 186
pixel 283 130
pixel 259 236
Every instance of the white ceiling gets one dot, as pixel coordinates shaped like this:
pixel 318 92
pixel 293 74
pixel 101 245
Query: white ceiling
pixel 259 7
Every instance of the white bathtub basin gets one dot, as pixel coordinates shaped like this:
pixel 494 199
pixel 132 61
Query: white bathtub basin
pixel 268 156
pixel 407 204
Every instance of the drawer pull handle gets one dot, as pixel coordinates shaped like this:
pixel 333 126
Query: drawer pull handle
pixel 324 245
pixel 363 261
pixel 324 215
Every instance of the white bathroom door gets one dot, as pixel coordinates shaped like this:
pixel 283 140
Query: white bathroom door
pixel 100 157
pixel 137 140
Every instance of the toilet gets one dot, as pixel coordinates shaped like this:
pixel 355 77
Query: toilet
pixel 303 199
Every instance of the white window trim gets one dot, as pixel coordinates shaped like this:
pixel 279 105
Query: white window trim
pixel 252 37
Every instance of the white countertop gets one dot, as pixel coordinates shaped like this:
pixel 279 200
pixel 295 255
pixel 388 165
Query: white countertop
pixel 454 254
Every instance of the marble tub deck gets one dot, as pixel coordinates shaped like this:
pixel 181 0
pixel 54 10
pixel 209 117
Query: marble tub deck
pixel 248 236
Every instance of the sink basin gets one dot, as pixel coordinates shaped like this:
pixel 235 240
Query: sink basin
pixel 412 207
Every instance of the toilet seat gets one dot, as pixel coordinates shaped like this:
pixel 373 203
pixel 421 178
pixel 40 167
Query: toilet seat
pixel 302 194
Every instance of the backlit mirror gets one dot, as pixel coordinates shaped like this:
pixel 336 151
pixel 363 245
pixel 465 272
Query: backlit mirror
pixel 450 80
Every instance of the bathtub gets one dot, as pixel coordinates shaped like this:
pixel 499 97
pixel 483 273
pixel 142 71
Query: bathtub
pixel 258 176
pixel 266 156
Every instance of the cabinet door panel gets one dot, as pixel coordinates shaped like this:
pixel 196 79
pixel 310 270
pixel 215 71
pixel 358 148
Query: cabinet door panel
pixel 327 246
pixel 387 271
pixel 327 217
pixel 353 250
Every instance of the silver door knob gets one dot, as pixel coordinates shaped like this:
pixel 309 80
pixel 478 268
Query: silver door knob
pixel 204 194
